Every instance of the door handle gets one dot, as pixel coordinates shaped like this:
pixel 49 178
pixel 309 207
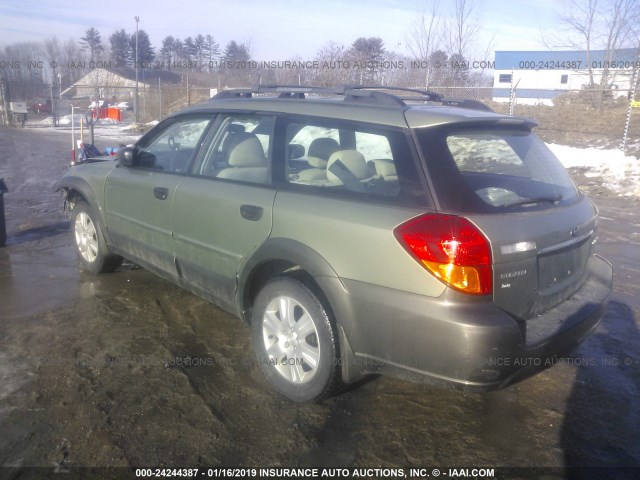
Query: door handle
pixel 161 193
pixel 251 212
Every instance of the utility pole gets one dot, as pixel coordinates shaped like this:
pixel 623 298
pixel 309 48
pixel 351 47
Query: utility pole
pixel 135 103
pixel 632 96
pixel 4 102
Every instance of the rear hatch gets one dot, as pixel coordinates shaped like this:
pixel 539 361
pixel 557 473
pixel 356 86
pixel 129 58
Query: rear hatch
pixel 506 181
pixel 539 259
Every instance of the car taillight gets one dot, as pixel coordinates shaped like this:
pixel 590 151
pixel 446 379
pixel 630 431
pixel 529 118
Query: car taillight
pixel 451 248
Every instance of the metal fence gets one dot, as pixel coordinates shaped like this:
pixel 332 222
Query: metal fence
pixel 577 118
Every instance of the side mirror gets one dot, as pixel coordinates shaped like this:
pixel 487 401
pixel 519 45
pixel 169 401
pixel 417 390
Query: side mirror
pixel 296 151
pixel 126 156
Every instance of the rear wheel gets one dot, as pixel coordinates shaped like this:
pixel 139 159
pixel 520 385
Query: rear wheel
pixel 295 341
pixel 89 241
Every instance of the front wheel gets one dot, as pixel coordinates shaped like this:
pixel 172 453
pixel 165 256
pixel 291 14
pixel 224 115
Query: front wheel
pixel 295 341
pixel 89 241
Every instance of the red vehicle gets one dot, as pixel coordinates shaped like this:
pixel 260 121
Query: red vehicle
pixel 40 105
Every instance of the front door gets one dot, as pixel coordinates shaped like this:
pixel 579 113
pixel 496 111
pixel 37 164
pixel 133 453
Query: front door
pixel 139 199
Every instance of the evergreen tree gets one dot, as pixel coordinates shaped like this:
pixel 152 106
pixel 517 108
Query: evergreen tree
pixel 211 51
pixel 146 53
pixel 368 53
pixel 167 51
pixel 120 48
pixel 236 52
pixel 199 44
pixel 178 50
pixel 92 42
pixel 189 48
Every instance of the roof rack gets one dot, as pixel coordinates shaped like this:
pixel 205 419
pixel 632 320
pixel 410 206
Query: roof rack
pixel 371 94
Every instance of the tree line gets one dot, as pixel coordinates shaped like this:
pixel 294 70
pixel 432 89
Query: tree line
pixel 369 60
pixel 443 38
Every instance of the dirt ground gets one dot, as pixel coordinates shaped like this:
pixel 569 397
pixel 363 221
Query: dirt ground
pixel 126 369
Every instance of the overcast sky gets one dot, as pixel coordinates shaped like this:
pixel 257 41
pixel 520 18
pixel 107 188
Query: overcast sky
pixel 275 29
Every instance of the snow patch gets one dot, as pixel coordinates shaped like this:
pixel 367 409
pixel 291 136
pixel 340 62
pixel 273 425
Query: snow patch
pixel 77 117
pixel 619 172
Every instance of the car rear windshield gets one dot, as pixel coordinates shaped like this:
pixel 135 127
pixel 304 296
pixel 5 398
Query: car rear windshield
pixel 494 169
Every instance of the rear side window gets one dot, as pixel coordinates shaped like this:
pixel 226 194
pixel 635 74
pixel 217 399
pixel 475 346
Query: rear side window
pixel 486 170
pixel 341 157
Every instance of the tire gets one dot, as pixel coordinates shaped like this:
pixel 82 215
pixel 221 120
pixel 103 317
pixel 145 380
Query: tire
pixel 298 352
pixel 91 246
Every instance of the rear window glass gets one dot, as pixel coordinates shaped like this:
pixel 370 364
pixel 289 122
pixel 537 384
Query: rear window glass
pixel 479 170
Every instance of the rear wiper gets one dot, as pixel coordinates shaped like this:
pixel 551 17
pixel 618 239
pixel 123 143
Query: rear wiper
pixel 532 200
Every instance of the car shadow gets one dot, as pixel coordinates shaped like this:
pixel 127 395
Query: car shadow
pixel 600 436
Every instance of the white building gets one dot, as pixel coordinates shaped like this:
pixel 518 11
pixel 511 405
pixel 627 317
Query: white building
pixel 117 83
pixel 537 77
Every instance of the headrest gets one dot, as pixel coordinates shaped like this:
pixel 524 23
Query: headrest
pixel 353 160
pixel 320 150
pixel 235 135
pixel 247 152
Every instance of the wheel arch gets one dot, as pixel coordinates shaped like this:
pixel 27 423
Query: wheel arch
pixel 278 256
pixel 77 188
pixel 283 256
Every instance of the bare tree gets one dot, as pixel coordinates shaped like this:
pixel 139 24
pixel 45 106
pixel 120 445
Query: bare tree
pixel 620 30
pixel 579 20
pixel 426 33
pixel 426 36
pixel 465 27
pixel 72 57
pixel 444 40
pixel 332 71
pixel 25 79
pixel 607 25
pixel 397 72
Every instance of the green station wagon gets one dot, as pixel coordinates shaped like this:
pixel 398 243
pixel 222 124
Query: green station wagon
pixel 357 230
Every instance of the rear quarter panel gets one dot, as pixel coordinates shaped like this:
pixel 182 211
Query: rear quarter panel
pixel 355 237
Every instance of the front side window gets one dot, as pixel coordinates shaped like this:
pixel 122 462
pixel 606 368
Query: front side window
pixel 340 157
pixel 173 148
pixel 240 149
pixel 486 170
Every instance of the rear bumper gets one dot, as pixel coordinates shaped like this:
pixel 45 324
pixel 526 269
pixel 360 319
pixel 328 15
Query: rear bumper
pixel 462 340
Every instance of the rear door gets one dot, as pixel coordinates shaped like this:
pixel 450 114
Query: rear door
pixel 223 210
pixel 139 199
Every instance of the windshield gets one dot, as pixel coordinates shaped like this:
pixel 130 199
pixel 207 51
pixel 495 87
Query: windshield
pixel 494 169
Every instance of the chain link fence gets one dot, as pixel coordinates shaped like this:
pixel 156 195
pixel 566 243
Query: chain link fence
pixel 578 118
